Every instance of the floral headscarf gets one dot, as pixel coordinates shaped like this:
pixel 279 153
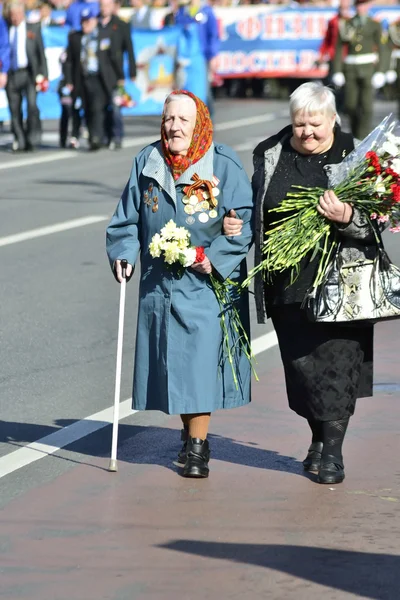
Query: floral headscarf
pixel 201 139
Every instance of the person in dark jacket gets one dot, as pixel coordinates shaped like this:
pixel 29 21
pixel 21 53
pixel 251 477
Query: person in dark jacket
pixel 27 64
pixel 70 110
pixel 113 26
pixel 92 72
pixel 358 64
pixel 327 366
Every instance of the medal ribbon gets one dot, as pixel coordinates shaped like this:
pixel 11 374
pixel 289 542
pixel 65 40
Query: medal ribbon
pixel 198 183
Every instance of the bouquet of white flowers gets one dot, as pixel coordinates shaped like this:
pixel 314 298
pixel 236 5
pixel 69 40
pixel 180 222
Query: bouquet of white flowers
pixel 174 243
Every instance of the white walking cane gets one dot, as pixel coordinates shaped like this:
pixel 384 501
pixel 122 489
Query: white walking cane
pixel 113 460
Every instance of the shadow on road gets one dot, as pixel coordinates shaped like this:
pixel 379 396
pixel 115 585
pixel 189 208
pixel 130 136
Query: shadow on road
pixel 369 575
pixel 148 445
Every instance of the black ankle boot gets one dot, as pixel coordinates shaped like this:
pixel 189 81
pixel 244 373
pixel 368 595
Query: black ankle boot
pixel 183 451
pixel 197 457
pixel 312 461
pixel 332 469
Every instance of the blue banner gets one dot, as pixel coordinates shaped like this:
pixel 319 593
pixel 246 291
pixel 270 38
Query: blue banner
pixel 167 59
pixel 278 42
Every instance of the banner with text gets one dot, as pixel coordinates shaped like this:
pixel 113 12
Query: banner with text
pixel 259 41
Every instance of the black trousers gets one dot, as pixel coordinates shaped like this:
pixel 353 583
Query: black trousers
pixel 68 112
pixel 118 124
pixel 21 84
pixel 96 102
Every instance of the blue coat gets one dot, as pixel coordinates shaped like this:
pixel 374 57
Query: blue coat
pixel 207 27
pixel 4 47
pixel 179 368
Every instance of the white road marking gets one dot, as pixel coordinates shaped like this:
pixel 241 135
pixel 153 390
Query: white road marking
pixel 61 438
pixel 143 141
pixel 50 229
pixel 37 160
pixel 250 121
pixel 264 342
pixel 66 154
pixel 67 435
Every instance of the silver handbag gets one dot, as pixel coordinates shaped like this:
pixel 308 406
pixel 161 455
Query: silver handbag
pixel 363 290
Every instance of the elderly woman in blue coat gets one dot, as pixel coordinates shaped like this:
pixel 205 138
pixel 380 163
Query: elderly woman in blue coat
pixel 180 364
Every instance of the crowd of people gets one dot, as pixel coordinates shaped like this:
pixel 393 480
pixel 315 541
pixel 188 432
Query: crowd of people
pixel 92 65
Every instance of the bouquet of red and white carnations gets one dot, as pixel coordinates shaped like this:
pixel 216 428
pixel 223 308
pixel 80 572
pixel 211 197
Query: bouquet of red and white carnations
pixel 368 178
pixel 41 83
pixel 173 245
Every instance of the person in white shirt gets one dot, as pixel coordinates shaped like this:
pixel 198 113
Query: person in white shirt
pixel 27 64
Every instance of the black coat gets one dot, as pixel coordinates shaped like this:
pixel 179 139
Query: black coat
pixel 35 50
pixel 121 32
pixel 110 64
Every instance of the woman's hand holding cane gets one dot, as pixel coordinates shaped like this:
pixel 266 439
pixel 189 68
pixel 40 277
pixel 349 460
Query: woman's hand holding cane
pixel 119 267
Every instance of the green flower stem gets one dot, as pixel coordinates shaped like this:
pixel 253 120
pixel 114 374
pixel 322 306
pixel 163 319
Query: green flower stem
pixel 227 305
pixel 303 230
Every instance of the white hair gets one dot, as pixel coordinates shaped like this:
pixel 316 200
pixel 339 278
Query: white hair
pixel 313 97
pixel 172 97
pixel 16 4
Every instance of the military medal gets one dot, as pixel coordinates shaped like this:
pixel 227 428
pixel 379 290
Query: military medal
pixel 198 200
pixel 358 48
pixel 149 199
pixel 203 217
pixel 190 220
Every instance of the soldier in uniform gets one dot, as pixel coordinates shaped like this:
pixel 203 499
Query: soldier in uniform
pixel 393 73
pixel 358 65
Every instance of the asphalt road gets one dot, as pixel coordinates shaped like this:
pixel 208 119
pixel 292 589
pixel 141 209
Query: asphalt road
pixel 58 321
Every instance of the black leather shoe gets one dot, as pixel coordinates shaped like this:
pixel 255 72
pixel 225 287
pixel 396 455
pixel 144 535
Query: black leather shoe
pixel 312 461
pixel 198 455
pixel 331 470
pixel 183 452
